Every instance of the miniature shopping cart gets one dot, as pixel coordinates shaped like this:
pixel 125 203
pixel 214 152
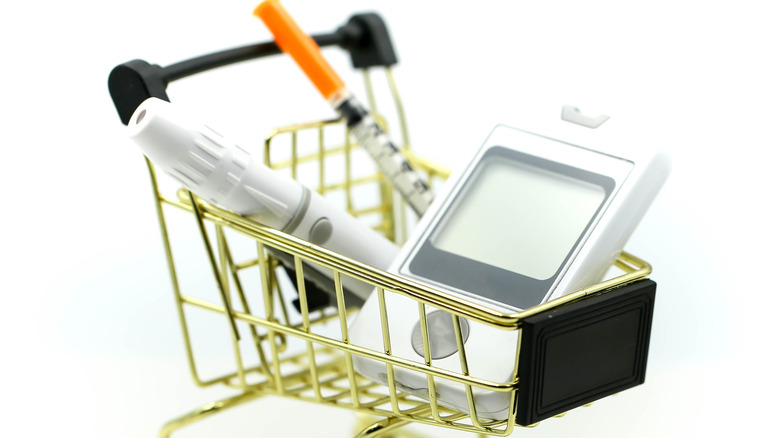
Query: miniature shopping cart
pixel 290 338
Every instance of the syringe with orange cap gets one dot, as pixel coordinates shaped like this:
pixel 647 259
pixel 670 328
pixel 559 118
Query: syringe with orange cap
pixel 306 53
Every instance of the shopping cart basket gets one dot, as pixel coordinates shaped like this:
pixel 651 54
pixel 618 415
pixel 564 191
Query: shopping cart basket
pixel 290 339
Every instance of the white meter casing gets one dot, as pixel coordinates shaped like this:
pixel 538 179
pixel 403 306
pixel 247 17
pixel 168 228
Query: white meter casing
pixel 531 217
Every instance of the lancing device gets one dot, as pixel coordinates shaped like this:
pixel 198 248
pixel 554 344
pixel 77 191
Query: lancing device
pixel 223 173
pixel 306 53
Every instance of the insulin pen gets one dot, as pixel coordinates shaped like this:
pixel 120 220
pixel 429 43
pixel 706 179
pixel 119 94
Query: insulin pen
pixel 302 48
pixel 223 173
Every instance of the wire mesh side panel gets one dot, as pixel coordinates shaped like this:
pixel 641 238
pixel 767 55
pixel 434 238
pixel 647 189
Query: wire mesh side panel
pixel 240 282
pixel 352 173
pixel 302 352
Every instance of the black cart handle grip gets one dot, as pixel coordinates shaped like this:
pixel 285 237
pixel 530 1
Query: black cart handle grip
pixel 364 36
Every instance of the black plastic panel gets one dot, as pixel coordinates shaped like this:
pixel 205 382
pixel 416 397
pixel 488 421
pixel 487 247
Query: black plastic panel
pixel 583 351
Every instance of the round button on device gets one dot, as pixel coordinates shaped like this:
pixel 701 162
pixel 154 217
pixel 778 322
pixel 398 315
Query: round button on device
pixel 441 333
pixel 320 232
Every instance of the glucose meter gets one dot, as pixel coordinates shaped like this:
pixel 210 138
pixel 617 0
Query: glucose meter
pixel 528 219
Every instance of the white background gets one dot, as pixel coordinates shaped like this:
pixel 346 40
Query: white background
pixel 90 344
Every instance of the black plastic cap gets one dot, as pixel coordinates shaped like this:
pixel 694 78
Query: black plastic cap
pixel 132 83
pixel 368 41
pixel 581 352
pixel 316 298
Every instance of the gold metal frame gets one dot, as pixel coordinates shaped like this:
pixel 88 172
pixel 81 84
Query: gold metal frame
pixel 321 370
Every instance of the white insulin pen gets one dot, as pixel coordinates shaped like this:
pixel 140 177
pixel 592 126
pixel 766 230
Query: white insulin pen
pixel 223 173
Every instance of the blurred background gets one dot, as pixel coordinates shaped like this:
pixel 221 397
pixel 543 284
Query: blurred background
pixel 90 341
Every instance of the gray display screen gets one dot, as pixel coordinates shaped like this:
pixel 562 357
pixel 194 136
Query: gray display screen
pixel 510 230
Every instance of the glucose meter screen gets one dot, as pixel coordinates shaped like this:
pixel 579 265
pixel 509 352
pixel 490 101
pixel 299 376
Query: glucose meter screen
pixel 518 217
pixel 511 227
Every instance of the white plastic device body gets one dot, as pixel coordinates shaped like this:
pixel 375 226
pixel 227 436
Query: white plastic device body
pixel 627 178
pixel 221 172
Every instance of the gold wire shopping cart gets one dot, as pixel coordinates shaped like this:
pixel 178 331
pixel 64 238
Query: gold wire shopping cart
pixel 304 351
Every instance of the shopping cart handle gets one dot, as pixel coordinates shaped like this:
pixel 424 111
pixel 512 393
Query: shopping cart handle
pixel 365 37
pixel 132 83
pixel 368 41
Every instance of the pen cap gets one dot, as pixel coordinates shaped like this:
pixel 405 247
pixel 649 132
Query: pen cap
pixel 211 166
pixel 300 46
